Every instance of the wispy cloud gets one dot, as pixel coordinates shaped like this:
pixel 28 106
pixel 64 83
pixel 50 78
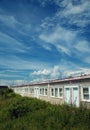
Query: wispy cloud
pixel 11 82
pixel 87 59
pixel 66 38
pixel 58 34
pixel 12 22
pixel 77 8
pixel 61 38
pixel 10 43
pixel 83 46
pixel 8 20
pixel 77 14
pixel 69 13
pixel 48 42
pixel 15 62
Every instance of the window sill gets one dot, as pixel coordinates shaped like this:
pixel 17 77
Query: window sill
pixel 56 97
pixel 43 95
pixel 84 100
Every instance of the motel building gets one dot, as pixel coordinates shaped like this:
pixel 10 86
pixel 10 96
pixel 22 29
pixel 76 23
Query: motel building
pixel 74 90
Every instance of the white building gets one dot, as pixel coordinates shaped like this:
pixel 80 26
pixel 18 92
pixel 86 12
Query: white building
pixel 70 90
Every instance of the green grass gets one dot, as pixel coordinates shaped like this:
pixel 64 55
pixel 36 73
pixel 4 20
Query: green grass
pixel 23 113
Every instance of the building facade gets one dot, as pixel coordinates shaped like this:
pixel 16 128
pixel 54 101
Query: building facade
pixel 74 90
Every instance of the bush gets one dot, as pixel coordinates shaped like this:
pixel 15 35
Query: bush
pixel 29 113
pixel 19 108
pixel 5 93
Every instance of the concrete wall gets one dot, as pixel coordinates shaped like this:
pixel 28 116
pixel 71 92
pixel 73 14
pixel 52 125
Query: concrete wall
pixel 56 100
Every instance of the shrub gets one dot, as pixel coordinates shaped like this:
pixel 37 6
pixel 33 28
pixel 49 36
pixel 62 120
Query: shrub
pixel 18 108
pixel 5 93
pixel 30 113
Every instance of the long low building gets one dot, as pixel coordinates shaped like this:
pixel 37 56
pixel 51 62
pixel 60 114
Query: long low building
pixel 74 90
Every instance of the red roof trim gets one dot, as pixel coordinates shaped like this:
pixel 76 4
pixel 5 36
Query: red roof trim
pixel 57 81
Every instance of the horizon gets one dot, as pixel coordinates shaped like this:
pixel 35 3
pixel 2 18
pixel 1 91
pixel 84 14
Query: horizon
pixel 43 40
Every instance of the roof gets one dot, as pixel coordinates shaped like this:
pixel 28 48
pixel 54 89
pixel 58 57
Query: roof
pixel 78 78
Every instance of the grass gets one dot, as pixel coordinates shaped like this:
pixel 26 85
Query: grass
pixel 23 113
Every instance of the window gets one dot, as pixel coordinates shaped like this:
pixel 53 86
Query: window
pixel 29 90
pixel 26 89
pixel 56 92
pixel 32 90
pixel 60 92
pixel 40 91
pixel 52 92
pixel 86 93
pixel 22 90
pixel 45 91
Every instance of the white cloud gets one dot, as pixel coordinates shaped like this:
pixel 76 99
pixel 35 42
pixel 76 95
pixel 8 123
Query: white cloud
pixel 55 72
pixel 10 43
pixel 46 47
pixel 51 73
pixel 83 46
pixel 86 70
pixel 59 33
pixel 75 14
pixel 5 82
pixel 61 3
pixel 44 2
pixel 61 38
pixel 9 75
pixel 42 72
pixel 66 40
pixel 60 71
pixel 87 59
pixel 79 72
pixel 14 62
pixel 12 22
pixel 63 49
pixel 11 82
pixel 77 9
pixel 8 20
pixel 70 14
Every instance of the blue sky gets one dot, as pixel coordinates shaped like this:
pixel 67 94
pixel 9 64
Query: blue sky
pixel 43 39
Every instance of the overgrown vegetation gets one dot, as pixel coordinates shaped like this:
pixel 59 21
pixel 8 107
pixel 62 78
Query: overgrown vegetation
pixel 22 113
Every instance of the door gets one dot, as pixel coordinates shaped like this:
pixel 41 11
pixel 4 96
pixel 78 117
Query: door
pixel 71 94
pixel 67 95
pixel 75 96
pixel 36 92
pixel 22 91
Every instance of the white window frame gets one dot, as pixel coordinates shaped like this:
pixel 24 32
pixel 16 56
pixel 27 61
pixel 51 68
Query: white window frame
pixel 42 91
pixel 45 92
pixel 54 95
pixel 23 90
pixel 26 89
pixel 87 100
pixel 59 92
pixel 29 90
pixel 51 92
pixel 56 92
pixel 32 90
